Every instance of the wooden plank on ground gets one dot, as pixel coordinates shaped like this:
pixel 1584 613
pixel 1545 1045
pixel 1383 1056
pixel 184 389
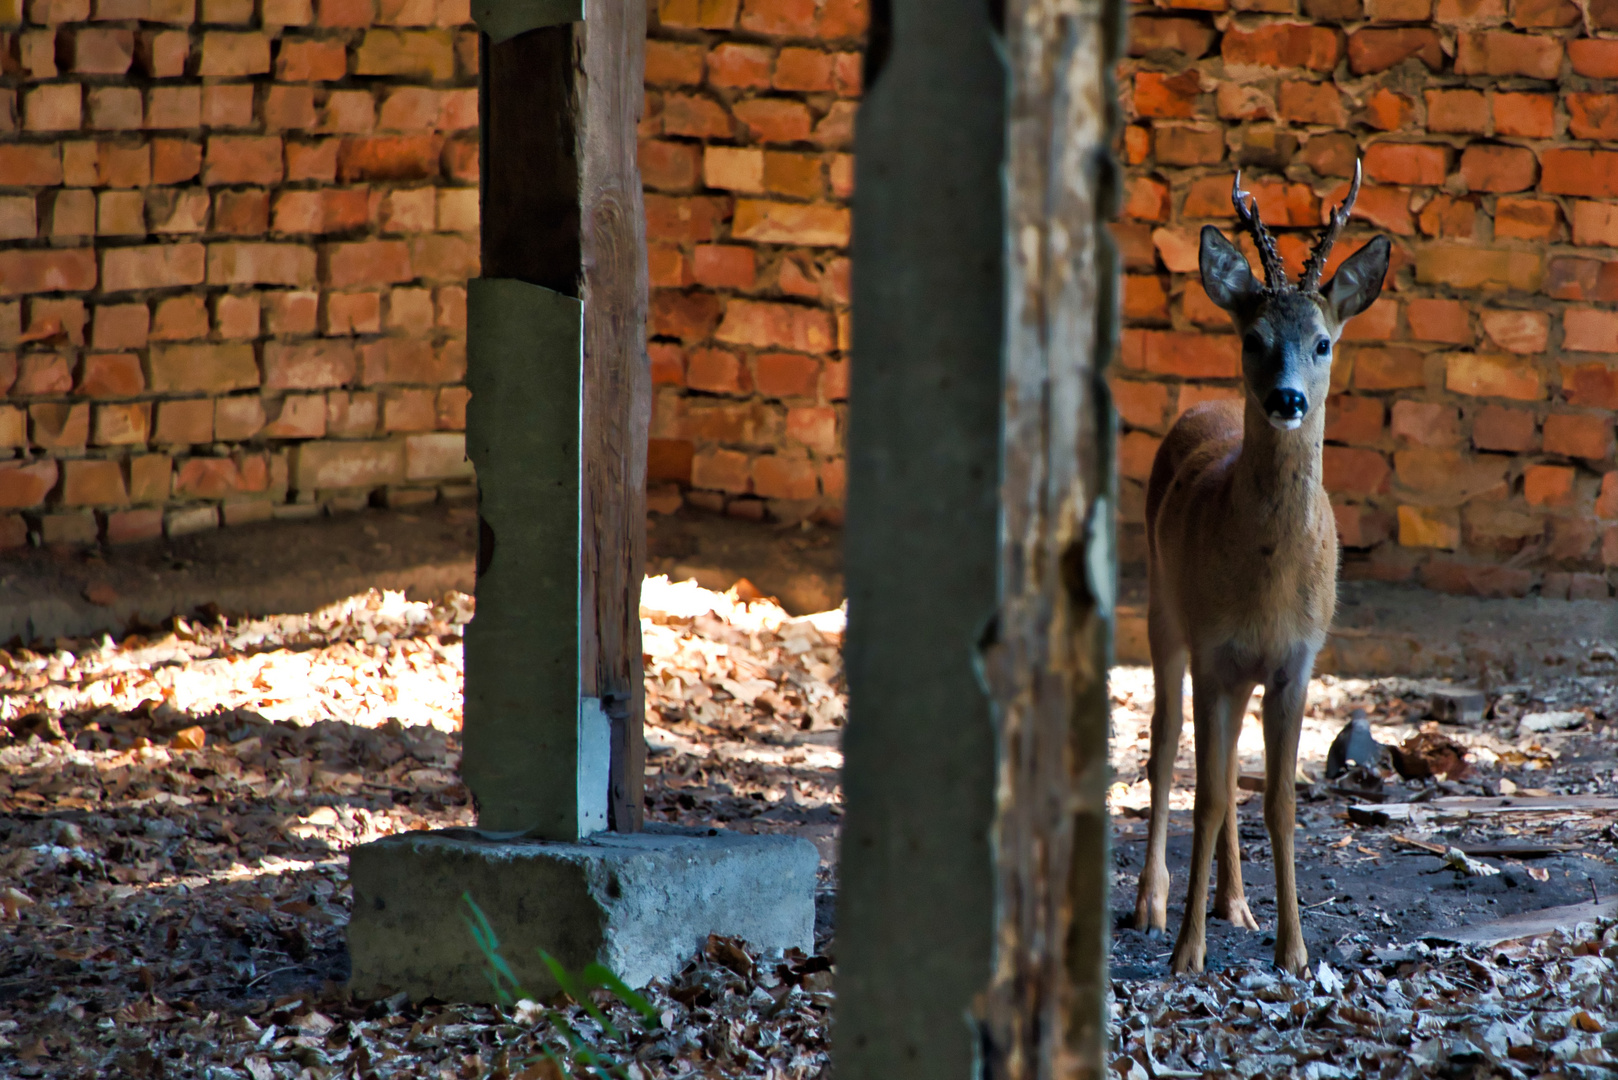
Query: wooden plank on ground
pixel 1528 924
pixel 1461 806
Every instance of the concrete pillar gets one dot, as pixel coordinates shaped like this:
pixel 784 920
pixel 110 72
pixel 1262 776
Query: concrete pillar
pixel 557 428
pixel 915 907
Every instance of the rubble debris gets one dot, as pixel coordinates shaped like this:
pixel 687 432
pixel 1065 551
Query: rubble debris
pixel 1429 753
pixel 1456 859
pixel 1550 721
pixel 1458 705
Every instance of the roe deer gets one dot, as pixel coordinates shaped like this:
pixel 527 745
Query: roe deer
pixel 1242 573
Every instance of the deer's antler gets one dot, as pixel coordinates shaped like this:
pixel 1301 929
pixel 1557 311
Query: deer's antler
pixel 1322 250
pixel 1275 271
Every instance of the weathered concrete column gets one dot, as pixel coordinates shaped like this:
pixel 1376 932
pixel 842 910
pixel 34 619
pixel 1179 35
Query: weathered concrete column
pixel 915 906
pixel 557 428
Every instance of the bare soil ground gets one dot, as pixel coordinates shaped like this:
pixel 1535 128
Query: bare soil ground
pixel 175 807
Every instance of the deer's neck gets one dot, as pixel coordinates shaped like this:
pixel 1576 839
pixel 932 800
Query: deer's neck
pixel 1277 476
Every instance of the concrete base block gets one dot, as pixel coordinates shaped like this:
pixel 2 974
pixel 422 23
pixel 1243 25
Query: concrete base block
pixel 641 904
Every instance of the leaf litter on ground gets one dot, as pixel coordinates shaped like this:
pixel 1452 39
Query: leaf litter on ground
pixel 175 806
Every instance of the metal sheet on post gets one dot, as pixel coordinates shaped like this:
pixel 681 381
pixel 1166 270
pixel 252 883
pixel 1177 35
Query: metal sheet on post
pixel 915 900
pixel 522 747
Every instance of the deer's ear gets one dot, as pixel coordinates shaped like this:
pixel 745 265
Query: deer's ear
pixel 1226 277
pixel 1358 282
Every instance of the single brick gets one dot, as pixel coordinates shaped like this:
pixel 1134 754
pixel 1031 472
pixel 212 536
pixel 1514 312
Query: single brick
pixel 1590 385
pixel 238 417
pixel 1492 375
pixel 1354 471
pixel 181 318
pixel 102 51
pixel 1596 58
pixel 31 165
pixel 261 264
pixel 174 107
pixel 724 266
pixel 1430 527
pixel 296 416
pixel 157 266
pixel 1188 144
pixel 1498 427
pixel 458 209
pixel 1415 164
pixel 234 55
pixel 236 318
pixel 1498 168
pixel 311 61
pixel 353 313
pixel 120 326
pixel 809 225
pixel 1283 45
pixel 56 107
pixel 674 63
pixel 408 210
pixel 736 66
pixel 352 414
pixel 43 374
pixel 23 486
pixel 389 157
pixel 289 107
pixel 1589 330
pixel 804 71
pixel 761 324
pixel 1499 52
pixel 437 456
pixel 1312 103
pixel 1548 485
pixel 175 161
pixel 669 166
pixel 228 105
pixel 59 425
pixel 201 368
pixel 1457 110
pixel 123 424
pixel 422 54
pixel 292 312
pixel 308 365
pixel 121 213
pixel 353 464
pixel 779 477
pixel 1580 435
pixel 698 14
pixel 1526 219
pixel 1375 49
pixel 411 311
pixel 408 410
pixel 1523 332
pixel 773 120
pixel 1464 267
pixel 1530 116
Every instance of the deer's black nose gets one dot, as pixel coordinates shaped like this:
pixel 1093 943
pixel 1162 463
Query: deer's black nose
pixel 1286 404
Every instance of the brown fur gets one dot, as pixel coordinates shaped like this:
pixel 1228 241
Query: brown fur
pixel 1242 584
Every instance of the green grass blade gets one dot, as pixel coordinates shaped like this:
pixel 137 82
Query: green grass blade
pixel 602 976
pixel 570 986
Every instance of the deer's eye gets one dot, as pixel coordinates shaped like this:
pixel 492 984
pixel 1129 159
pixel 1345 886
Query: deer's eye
pixel 1253 342
pixel 1323 347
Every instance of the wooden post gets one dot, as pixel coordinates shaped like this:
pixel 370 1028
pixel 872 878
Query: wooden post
pixel 557 424
pixel 1047 664
pixel 915 895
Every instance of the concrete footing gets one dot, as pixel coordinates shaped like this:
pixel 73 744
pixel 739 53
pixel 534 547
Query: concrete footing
pixel 641 904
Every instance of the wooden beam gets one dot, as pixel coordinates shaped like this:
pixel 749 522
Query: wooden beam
pixel 1047 663
pixel 557 424
pixel 915 895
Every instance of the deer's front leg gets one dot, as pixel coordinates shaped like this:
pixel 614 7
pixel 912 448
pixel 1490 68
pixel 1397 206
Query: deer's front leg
pixel 1230 899
pixel 1211 707
pixel 1168 716
pixel 1284 696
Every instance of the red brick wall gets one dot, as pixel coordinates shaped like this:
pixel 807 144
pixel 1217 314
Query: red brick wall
pixel 234 238
pixel 1470 440
pixel 744 153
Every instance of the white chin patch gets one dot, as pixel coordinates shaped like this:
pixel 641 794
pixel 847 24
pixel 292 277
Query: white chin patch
pixel 1291 423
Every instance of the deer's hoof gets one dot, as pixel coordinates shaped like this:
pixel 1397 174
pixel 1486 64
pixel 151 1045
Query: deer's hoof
pixel 1236 912
pixel 1291 957
pixel 1188 956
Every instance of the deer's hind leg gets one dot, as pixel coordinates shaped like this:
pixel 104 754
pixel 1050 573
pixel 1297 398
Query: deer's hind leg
pixel 1168 717
pixel 1230 899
